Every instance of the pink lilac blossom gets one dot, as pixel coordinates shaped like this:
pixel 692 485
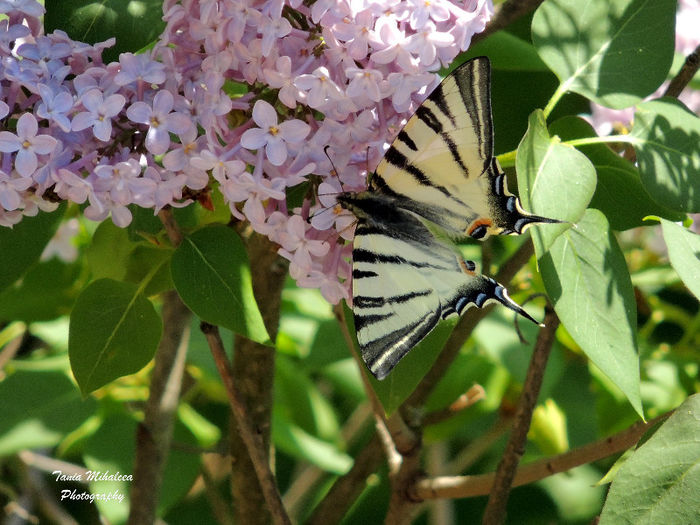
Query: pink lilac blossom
pixel 155 129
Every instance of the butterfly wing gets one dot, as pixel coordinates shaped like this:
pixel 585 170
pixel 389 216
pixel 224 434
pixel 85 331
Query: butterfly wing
pixel 405 280
pixel 441 165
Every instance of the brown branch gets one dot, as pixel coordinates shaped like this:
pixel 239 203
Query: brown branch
pixel 685 75
pixel 470 486
pixel 495 512
pixel 348 487
pixel 253 374
pixel 154 433
pixel 509 12
pixel 253 442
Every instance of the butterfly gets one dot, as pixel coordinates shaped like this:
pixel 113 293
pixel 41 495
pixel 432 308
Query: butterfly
pixel 439 179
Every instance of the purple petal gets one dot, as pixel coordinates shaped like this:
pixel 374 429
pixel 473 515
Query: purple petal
pixel 9 198
pixel 139 112
pixel 163 102
pixel 92 100
pixel 252 138
pixel 26 162
pixel 43 144
pixel 27 126
pixel 82 121
pixel 113 105
pixel 9 142
pixel 294 130
pixel 179 123
pixel 157 140
pixel 276 151
pixel 264 114
pixel 175 160
pixel 102 129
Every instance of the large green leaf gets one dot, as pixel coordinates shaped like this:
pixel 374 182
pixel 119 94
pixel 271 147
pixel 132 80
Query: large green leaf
pixel 659 482
pixel 614 52
pixel 134 23
pixel 554 180
pixel 684 253
pixel 619 193
pixel 586 277
pixel 666 136
pixel 114 331
pixel 21 245
pixel 211 273
pixel 39 409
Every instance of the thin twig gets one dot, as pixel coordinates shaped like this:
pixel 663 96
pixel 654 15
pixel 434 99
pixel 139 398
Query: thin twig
pixel 475 394
pixel 252 441
pixel 471 486
pixel 495 512
pixel 685 75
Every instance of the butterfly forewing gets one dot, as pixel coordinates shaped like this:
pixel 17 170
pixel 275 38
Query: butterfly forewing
pixel 436 162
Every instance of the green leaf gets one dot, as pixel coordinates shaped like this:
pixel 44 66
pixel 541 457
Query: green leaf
pixel 211 273
pixel 554 180
pixel 667 140
pixel 134 23
pixel 39 409
pixel 21 245
pixel 659 482
pixel 586 277
pixel 114 331
pixel 109 251
pixel 614 52
pixel 47 291
pixel 619 193
pixel 298 443
pixel 507 51
pixel 303 402
pixel 684 253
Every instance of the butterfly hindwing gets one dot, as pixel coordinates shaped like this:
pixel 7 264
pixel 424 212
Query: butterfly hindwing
pixel 405 280
pixel 439 174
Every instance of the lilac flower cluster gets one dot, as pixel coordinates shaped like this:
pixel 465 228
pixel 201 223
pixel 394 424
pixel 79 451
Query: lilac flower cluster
pixel 161 129
pixel 606 120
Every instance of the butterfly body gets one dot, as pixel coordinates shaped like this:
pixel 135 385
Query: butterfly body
pixel 437 179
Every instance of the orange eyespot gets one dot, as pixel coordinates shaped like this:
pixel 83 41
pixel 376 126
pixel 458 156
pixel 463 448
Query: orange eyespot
pixel 465 268
pixel 479 228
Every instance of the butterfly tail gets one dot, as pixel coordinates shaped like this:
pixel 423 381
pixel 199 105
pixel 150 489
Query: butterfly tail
pixel 500 294
pixel 525 220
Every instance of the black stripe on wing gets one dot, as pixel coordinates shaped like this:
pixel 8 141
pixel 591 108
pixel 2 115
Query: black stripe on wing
pixel 381 355
pixel 474 82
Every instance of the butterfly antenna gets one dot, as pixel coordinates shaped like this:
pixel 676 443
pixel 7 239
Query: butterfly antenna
pixel 334 170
